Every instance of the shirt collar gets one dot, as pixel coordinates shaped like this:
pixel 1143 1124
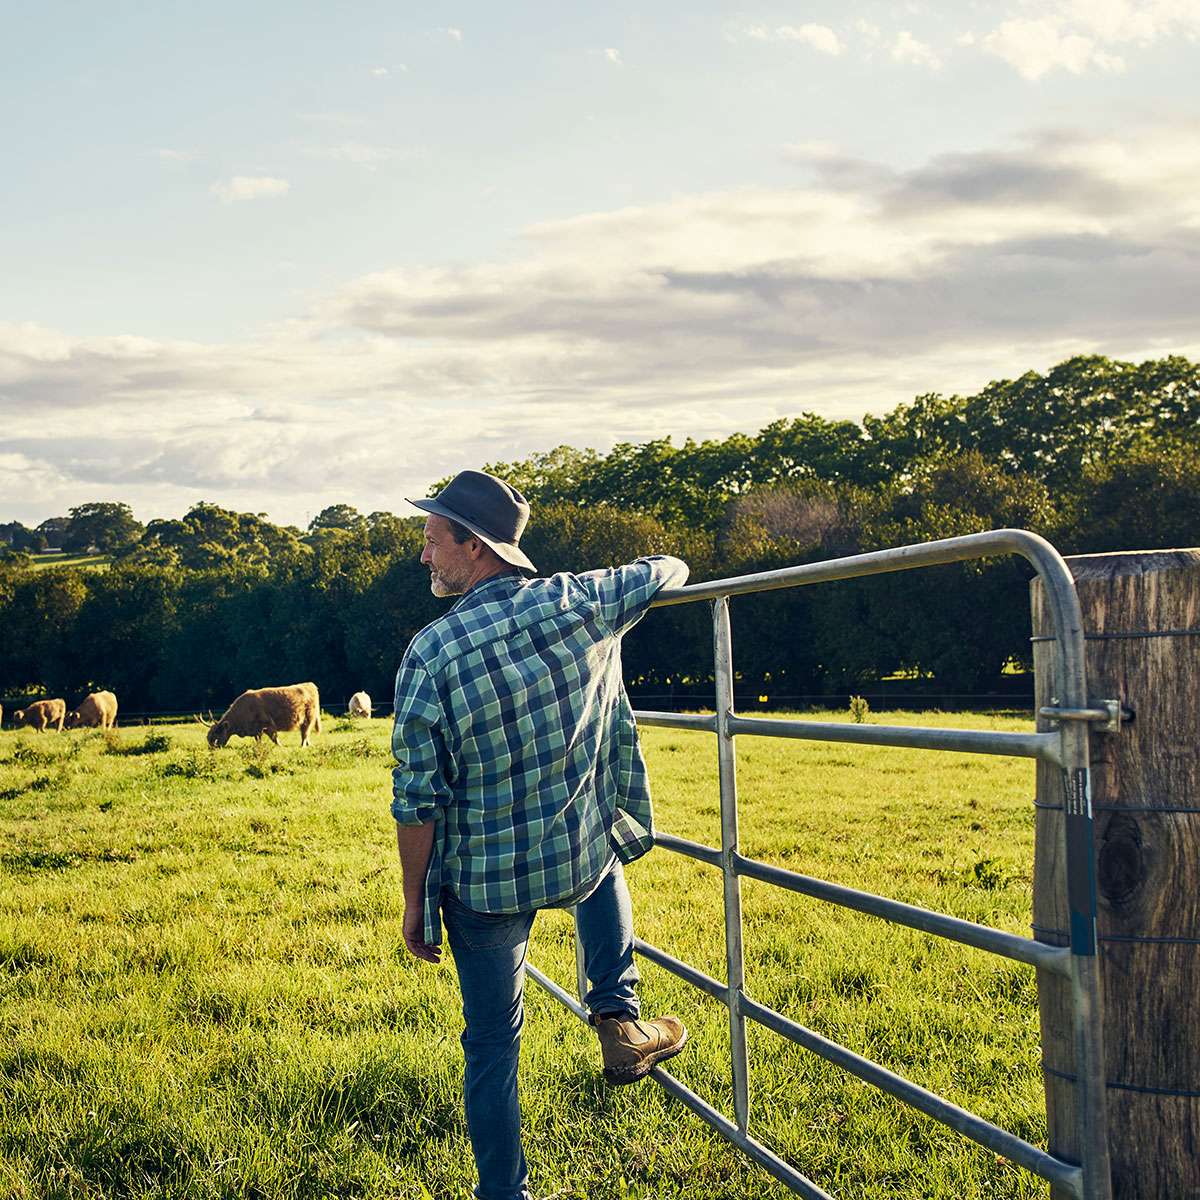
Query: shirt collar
pixel 486 587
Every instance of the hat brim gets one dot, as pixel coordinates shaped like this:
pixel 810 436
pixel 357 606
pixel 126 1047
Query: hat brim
pixel 506 550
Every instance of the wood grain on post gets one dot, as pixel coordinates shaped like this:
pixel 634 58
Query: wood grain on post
pixel 1141 617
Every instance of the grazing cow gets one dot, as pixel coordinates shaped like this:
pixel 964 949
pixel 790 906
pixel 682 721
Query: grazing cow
pixel 41 715
pixel 97 710
pixel 272 710
pixel 359 706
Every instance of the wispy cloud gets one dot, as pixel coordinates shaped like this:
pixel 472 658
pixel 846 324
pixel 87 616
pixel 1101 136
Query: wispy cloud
pixel 613 55
pixel 858 288
pixel 361 154
pixel 380 72
pixel 176 156
pixel 817 37
pixel 453 33
pixel 908 49
pixel 249 187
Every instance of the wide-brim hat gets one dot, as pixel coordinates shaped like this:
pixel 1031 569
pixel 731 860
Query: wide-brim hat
pixel 494 511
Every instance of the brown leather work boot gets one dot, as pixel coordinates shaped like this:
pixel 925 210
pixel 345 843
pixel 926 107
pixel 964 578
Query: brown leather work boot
pixel 631 1048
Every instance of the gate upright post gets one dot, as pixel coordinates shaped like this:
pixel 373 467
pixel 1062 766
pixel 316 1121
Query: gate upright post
pixel 727 771
pixel 1141 611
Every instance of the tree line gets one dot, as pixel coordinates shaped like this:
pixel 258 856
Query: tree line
pixel 1095 454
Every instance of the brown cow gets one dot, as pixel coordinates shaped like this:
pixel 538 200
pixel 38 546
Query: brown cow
pixel 272 711
pixel 42 714
pixel 96 710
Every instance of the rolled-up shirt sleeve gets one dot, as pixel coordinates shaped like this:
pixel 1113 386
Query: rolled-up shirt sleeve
pixel 624 593
pixel 419 787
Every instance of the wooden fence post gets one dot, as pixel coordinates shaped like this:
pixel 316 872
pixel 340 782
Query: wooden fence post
pixel 1141 616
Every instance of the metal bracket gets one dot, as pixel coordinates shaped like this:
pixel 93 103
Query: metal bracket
pixel 1107 715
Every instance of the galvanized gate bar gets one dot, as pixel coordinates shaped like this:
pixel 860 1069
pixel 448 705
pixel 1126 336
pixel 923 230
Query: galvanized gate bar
pixel 765 1158
pixel 727 772
pixel 1065 1174
pixel 706 854
pixel 706 983
pixel 670 720
pixel 1067 747
pixel 982 937
pixel 967 741
pixel 1046 560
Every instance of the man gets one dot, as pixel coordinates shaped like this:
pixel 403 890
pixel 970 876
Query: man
pixel 520 785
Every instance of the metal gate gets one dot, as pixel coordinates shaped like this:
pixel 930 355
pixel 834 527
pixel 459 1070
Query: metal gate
pixel 1066 747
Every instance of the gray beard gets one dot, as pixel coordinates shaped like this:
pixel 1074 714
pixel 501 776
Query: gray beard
pixel 441 587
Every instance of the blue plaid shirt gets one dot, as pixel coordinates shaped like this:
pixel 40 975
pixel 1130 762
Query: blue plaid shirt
pixel 513 732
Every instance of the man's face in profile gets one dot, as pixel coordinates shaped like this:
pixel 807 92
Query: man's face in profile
pixel 448 561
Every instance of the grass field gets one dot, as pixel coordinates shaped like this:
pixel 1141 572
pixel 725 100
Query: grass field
pixel 202 993
pixel 91 562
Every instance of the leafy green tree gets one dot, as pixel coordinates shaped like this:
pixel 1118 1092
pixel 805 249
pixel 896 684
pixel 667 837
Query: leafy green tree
pixel 959 623
pixel 107 525
pixel 337 516
pixel 210 536
pixel 19 538
pixel 1146 501
pixel 389 535
pixel 123 630
pixel 40 648
pixel 54 529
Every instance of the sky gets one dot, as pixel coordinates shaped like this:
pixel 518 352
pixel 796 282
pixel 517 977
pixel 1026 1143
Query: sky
pixel 284 255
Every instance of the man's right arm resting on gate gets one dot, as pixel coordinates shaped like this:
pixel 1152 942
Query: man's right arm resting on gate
pixel 419 792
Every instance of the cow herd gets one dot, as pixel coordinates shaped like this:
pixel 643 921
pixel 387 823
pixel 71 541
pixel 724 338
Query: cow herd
pixel 97 710
pixel 256 712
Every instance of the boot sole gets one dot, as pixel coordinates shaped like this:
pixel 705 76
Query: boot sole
pixel 617 1076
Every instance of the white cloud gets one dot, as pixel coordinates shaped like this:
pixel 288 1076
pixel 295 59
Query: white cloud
pixel 1140 22
pixel 1078 36
pixel 249 187
pixel 454 34
pixel 613 56
pixel 179 156
pixel 379 72
pixel 818 37
pixel 853 291
pixel 1036 47
pixel 908 49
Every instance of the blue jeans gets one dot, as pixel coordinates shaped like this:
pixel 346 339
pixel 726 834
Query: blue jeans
pixel 489 955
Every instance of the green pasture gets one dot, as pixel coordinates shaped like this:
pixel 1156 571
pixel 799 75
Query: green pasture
pixel 203 991
pixel 92 562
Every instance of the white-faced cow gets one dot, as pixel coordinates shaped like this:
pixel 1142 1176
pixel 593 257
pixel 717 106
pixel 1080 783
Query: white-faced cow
pixel 97 710
pixel 271 710
pixel 359 706
pixel 42 715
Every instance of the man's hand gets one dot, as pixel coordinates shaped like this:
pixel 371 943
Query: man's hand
pixel 414 928
pixel 415 842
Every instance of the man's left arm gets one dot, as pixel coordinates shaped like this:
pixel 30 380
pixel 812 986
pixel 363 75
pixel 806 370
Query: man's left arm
pixel 419 792
pixel 415 843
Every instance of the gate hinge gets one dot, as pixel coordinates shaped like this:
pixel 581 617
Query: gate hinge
pixel 1106 715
